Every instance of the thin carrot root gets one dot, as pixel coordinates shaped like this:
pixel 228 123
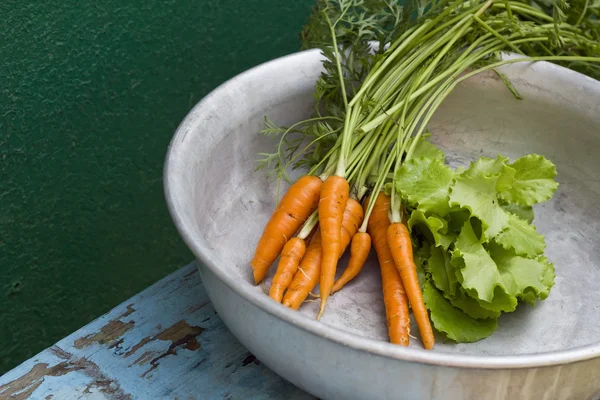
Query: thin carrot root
pixel 349 229
pixel 394 296
pixel 359 252
pixel 300 270
pixel 292 253
pixel 334 196
pixel 300 201
pixel 400 246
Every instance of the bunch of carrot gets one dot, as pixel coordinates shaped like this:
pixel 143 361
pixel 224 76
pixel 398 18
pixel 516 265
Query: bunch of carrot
pixel 305 259
pixel 348 198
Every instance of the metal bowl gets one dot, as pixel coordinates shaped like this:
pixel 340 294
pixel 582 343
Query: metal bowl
pixel 220 205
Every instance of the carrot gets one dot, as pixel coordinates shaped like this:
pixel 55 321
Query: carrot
pixel 301 199
pixel 307 276
pixel 394 296
pixel 353 216
pixel 334 196
pixel 292 253
pixel 400 246
pixel 359 251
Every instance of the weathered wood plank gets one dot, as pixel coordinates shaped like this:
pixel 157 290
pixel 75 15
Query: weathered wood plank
pixel 167 342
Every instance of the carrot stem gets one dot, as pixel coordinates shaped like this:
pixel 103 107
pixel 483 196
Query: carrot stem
pixel 309 225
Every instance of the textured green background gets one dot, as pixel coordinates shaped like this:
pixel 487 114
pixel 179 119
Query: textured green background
pixel 90 94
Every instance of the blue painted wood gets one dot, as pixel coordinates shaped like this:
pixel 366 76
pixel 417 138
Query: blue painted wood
pixel 167 342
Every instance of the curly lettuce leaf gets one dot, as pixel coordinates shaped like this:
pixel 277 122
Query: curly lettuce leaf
pixel 479 274
pixel 477 193
pixel 421 255
pixel 494 167
pixel 451 321
pixel 456 219
pixel 434 228
pixel 525 278
pixel 425 183
pixel 442 273
pixel 444 278
pixel 533 181
pixel 424 148
pixel 497 277
pixel 521 237
pixel 523 212
pixel 471 306
pixel 501 302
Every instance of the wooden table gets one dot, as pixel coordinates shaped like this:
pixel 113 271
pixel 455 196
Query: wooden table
pixel 167 342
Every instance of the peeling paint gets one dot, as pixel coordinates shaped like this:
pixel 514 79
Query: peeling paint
pixel 130 310
pixel 180 334
pixel 116 344
pixel 23 387
pixel 138 346
pixel 109 332
pixel 60 353
pixel 144 358
pixel 147 361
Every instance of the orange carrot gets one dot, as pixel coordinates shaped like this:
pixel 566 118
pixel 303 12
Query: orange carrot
pixel 292 253
pixel 307 276
pixel 301 199
pixel 334 196
pixel 359 251
pixel 394 296
pixel 400 246
pixel 353 217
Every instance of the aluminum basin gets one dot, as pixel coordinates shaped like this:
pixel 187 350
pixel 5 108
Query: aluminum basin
pixel 220 205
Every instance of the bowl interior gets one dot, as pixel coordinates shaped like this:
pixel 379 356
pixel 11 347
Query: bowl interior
pixel 221 201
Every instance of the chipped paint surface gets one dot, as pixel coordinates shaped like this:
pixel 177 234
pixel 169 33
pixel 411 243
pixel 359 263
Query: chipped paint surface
pixel 165 343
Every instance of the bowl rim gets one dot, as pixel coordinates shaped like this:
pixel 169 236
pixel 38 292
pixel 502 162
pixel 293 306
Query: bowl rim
pixel 359 343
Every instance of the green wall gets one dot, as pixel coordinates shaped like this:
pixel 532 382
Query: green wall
pixel 90 94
